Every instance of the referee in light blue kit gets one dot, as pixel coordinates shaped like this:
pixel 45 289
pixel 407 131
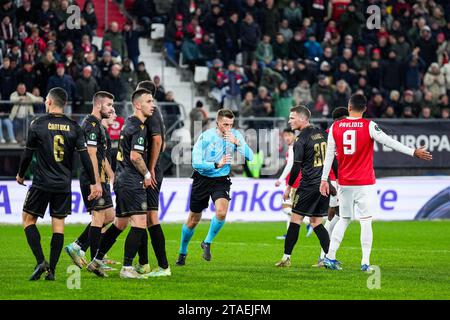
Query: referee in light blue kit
pixel 211 160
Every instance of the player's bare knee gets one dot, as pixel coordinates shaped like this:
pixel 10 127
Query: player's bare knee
pixel 296 218
pixel 28 220
pixel 57 225
pixel 109 216
pixel 98 218
pixel 315 221
pixel 221 214
pixel 139 221
pixel 121 223
pixel 193 220
pixel 152 218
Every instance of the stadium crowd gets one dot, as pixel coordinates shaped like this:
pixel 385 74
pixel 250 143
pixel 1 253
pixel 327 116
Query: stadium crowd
pixel 265 55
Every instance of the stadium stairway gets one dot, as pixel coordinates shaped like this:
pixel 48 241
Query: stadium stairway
pixel 114 14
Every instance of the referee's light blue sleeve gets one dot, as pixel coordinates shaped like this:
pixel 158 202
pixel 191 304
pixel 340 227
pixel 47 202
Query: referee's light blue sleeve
pixel 243 148
pixel 198 159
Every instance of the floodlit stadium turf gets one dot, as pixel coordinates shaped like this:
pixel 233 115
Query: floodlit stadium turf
pixel 414 261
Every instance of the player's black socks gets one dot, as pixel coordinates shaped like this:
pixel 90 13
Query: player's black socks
pixel 56 246
pixel 143 250
pixel 323 236
pixel 34 241
pixel 83 239
pixel 291 237
pixel 132 244
pixel 108 240
pixel 95 234
pixel 159 245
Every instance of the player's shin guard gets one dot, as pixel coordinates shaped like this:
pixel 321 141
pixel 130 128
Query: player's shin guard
pixel 214 229
pixel 83 239
pixel 56 246
pixel 143 250
pixel 337 236
pixel 323 236
pixel 108 240
pixel 132 244
pixel 95 234
pixel 186 235
pixel 34 241
pixel 366 239
pixel 159 245
pixel 291 238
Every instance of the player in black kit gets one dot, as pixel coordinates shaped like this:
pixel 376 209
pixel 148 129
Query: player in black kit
pixel 53 138
pixel 156 135
pixel 131 180
pixel 309 154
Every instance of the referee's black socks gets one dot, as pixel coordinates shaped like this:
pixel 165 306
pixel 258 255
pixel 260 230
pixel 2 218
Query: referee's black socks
pixel 34 241
pixel 132 244
pixel 159 245
pixel 323 236
pixel 291 238
pixel 56 246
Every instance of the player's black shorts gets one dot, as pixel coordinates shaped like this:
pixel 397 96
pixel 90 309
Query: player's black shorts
pixel 37 200
pixel 103 203
pixel 310 202
pixel 153 194
pixel 204 187
pixel 130 202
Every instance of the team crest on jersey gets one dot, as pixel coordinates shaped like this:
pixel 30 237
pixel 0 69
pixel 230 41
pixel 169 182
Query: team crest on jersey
pixel 140 141
pixel 92 136
pixel 93 124
pixel 377 128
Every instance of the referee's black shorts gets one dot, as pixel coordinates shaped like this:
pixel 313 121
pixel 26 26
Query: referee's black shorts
pixel 153 194
pixel 204 187
pixel 310 202
pixel 37 200
pixel 103 203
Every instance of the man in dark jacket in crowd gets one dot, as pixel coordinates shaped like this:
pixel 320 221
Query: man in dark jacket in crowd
pixel 250 35
pixel 114 84
pixel 87 86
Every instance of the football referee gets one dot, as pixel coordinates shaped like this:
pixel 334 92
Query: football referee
pixel 211 160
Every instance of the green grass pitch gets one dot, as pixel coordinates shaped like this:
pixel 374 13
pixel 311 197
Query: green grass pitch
pixel 414 261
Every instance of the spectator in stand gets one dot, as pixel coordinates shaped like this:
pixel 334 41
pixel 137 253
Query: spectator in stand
pixel 343 73
pixel 5 121
pixel 271 79
pixel 233 27
pixel 35 40
pixel 191 53
pixel 27 75
pixel 141 73
pixel 216 76
pixel 144 10
pixel 160 92
pixel 8 33
pixel 293 14
pixel 280 47
pixel 248 105
pixel 313 50
pixel 38 107
pixel 426 113
pixel 270 18
pixel 131 37
pixel 414 68
pixel 443 48
pixel 428 101
pixel 199 120
pixel 27 15
pixel 253 75
pixel 250 35
pixel 409 101
pixel 114 84
pixel 443 103
pixel 8 79
pixel 194 27
pixel 233 81
pixel 389 113
pixel 341 95
pixel 376 107
pixel 323 88
pixel 171 111
pixel 263 104
pixel 296 48
pixel 285 30
pixel 116 38
pixel 394 102
pixel 445 113
pixel 46 14
pixel 289 74
pixel 434 81
pixel 302 93
pixel 62 80
pixel 352 21
pixel 427 45
pixel 86 86
pixel 363 85
pixel 282 100
pixel 208 49
pixel 89 15
pixel 105 65
pixel 320 108
pixel 22 110
pixel 128 76
pixel 91 60
pixel 174 35
pixel 264 52
pixel 391 73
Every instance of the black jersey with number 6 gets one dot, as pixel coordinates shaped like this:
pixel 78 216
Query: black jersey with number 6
pixel 54 138
pixel 95 136
pixel 309 150
pixel 133 137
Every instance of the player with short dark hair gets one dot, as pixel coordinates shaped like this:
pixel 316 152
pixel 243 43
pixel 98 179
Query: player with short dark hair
pixel 211 160
pixel 101 210
pixel 351 140
pixel 156 132
pixel 309 153
pixel 53 138
pixel 131 179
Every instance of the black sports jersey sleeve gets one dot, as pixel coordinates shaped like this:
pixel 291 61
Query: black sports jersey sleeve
pixel 80 141
pixel 138 141
pixel 92 133
pixel 313 153
pixel 32 139
pixel 299 147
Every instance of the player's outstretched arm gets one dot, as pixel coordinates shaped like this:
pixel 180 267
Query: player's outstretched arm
pixel 379 136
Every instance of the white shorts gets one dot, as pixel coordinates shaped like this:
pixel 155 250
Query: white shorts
pixel 357 202
pixel 334 200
